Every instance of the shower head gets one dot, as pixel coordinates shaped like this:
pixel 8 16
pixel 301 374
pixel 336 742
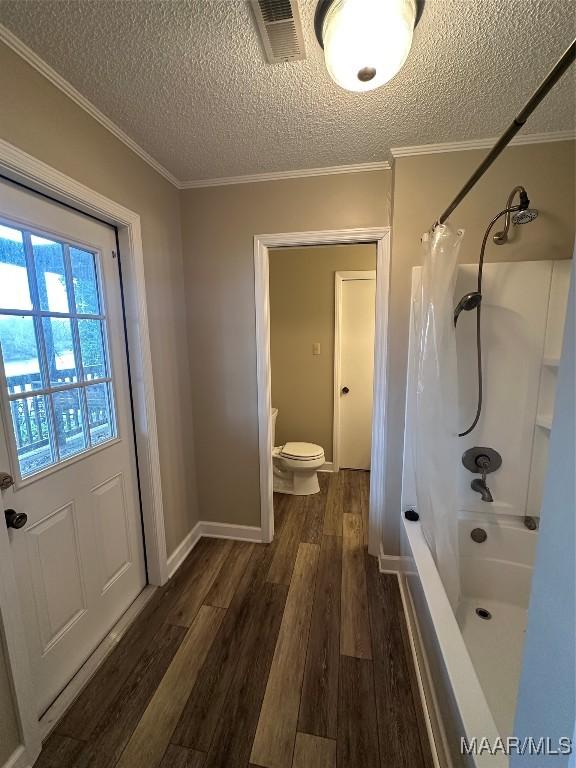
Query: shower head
pixel 468 302
pixel 525 217
pixel 522 214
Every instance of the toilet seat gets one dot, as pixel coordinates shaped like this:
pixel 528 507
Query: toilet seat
pixel 302 451
pixel 295 465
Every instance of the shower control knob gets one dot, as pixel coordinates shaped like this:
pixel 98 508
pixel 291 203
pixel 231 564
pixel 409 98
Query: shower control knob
pixel 345 390
pixel 481 460
pixel 15 519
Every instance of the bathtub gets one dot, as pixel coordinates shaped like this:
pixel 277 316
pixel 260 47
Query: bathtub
pixel 469 665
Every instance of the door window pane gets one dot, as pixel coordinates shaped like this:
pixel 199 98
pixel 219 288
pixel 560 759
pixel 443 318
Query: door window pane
pixel 32 432
pixel 68 422
pixel 53 339
pixel 59 350
pixel 20 353
pixel 100 417
pixel 85 281
pixel 50 274
pixel 14 287
pixel 92 349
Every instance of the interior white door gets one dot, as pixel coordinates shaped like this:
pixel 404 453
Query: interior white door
pixel 66 433
pixel 356 370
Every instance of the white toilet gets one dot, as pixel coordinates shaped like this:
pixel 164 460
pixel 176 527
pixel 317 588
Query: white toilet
pixel 295 465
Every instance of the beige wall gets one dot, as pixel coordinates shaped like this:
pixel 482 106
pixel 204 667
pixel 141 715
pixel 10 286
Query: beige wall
pixel 301 313
pixel 423 187
pixel 219 224
pixel 41 120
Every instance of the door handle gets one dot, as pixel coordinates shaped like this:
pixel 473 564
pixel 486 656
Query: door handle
pixel 15 519
pixel 6 481
pixel 345 390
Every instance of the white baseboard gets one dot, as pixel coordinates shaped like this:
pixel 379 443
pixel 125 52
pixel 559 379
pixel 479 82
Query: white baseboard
pixel 225 531
pixel 18 759
pixel 183 549
pixel 328 466
pixel 211 531
pixel 392 563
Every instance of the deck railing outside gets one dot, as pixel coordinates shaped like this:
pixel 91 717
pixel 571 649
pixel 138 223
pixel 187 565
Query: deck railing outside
pixel 29 415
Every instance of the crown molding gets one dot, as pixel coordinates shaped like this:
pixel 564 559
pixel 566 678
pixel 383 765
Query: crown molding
pixel 459 146
pixel 279 175
pixel 27 54
pixel 30 57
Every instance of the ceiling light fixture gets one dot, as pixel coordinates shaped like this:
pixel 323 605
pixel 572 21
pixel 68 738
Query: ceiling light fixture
pixel 365 42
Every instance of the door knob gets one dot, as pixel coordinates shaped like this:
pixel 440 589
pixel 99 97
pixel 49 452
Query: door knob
pixel 15 519
pixel 345 390
pixel 6 481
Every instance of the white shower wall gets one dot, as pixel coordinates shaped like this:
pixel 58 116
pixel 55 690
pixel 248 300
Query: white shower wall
pixel 473 667
pixel 515 317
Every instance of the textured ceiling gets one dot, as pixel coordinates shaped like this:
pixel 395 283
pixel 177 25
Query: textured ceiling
pixel 187 80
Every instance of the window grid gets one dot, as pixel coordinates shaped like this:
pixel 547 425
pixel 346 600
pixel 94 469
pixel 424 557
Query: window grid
pixel 42 356
pixel 81 383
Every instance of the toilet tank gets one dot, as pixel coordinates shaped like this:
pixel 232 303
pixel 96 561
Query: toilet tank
pixel 274 414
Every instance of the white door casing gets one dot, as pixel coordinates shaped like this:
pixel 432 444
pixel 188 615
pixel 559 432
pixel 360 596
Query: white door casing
pixel 354 331
pixel 79 561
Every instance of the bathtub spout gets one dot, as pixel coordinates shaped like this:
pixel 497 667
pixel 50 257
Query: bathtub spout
pixel 479 485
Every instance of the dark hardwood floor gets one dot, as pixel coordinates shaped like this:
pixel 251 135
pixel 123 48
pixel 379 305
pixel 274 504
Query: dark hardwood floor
pixel 288 655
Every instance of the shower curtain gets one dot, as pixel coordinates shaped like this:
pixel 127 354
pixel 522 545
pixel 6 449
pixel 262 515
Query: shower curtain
pixel 436 449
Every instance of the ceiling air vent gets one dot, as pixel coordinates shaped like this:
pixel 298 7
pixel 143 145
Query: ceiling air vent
pixel 280 29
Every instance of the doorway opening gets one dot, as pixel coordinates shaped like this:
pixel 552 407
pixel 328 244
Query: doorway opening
pixel 299 389
pixel 322 323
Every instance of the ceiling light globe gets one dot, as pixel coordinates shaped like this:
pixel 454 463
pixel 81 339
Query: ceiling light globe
pixel 366 42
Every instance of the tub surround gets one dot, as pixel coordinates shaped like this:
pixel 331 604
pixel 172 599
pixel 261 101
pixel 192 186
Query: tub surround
pixel 477 647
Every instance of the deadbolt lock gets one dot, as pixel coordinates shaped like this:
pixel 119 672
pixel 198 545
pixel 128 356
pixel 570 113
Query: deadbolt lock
pixel 6 481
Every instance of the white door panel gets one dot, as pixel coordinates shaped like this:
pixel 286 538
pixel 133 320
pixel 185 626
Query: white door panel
pixel 54 560
pixel 111 519
pixel 357 313
pixel 66 433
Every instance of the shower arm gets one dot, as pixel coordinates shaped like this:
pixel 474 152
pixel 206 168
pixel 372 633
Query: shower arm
pixel 506 213
pixel 544 88
pixel 502 237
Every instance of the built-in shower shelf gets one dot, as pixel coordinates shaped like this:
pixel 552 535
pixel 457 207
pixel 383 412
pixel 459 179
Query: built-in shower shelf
pixel 544 420
pixel 551 362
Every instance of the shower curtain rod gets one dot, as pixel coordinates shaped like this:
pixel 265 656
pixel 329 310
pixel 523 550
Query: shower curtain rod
pixel 545 87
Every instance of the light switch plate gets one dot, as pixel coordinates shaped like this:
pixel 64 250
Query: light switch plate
pixel 316 348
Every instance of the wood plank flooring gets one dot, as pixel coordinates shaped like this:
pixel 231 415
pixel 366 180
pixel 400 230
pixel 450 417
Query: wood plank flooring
pixel 287 655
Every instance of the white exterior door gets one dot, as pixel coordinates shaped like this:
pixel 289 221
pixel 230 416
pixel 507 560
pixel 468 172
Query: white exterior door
pixel 356 367
pixel 65 434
